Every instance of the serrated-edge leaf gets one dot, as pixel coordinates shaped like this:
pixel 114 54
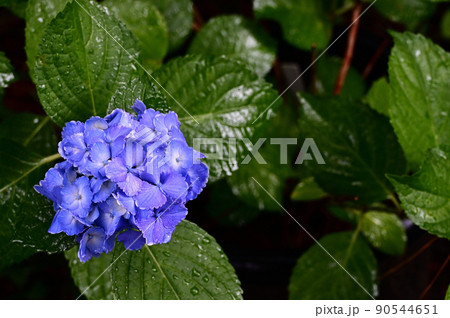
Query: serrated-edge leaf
pixel 80 66
pixel 425 196
pixel 191 266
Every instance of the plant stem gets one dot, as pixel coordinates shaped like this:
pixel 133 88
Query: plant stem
pixel 353 241
pixel 396 203
pixel 350 49
pixel 375 57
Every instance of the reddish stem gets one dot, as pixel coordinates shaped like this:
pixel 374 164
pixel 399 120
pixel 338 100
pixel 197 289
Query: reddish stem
pixel 435 277
pixel 375 57
pixel 350 49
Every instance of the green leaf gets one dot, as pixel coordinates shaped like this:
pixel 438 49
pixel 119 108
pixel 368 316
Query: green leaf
pixel 445 25
pixel 146 23
pixel 378 96
pixel 80 65
pixel 32 131
pixel 307 190
pixel 90 277
pixel 420 93
pixel 38 15
pixel 6 72
pixel 328 69
pixel 216 98
pixel 236 37
pixel 139 87
pixel 425 196
pixel 304 23
pixel 384 231
pixel 408 12
pixel 357 144
pixel 317 276
pixel 191 266
pixel 26 215
pixel 179 17
pixel 447 295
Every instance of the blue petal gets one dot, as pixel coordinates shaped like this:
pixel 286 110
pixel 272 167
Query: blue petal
pixel 133 240
pixel 116 170
pixel 100 152
pixel 131 186
pixel 172 215
pixel 139 107
pixel 180 156
pixel 197 177
pixel 71 128
pixel 125 201
pixel 102 189
pixel 174 185
pixel 150 197
pixel 65 222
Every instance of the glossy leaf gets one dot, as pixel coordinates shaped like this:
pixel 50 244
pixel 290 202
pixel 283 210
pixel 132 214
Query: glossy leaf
pixel 327 73
pixel 32 131
pixel 425 196
pixel 191 266
pixel 80 65
pixel 378 96
pixel 317 276
pixel 216 98
pixel 6 72
pixel 307 190
pixel 142 88
pixel 38 15
pixel 420 93
pixel 179 16
pixel 384 231
pixel 236 37
pixel 93 277
pixel 357 145
pixel 146 23
pixel 304 23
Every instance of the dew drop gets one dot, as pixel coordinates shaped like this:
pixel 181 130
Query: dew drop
pixel 205 279
pixel 195 273
pixel 194 291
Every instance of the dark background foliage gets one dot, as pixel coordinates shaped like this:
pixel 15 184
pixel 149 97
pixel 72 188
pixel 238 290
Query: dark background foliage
pixel 264 248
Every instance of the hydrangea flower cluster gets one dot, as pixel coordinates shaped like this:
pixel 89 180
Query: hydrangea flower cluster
pixel 124 176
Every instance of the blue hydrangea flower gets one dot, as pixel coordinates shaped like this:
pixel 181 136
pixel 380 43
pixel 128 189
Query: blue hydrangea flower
pixel 125 177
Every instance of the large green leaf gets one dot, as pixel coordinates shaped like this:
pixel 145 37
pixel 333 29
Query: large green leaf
pixel 328 69
pixel 92 278
pixel 80 65
pixel 317 276
pixel 384 231
pixel 178 15
pixel 6 72
pixel 32 131
pixel 303 22
pixel 378 96
pixel 25 215
pixel 38 15
pixel 357 144
pixel 447 295
pixel 191 266
pixel 146 23
pixel 216 98
pixel 236 37
pixel 425 196
pixel 420 95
